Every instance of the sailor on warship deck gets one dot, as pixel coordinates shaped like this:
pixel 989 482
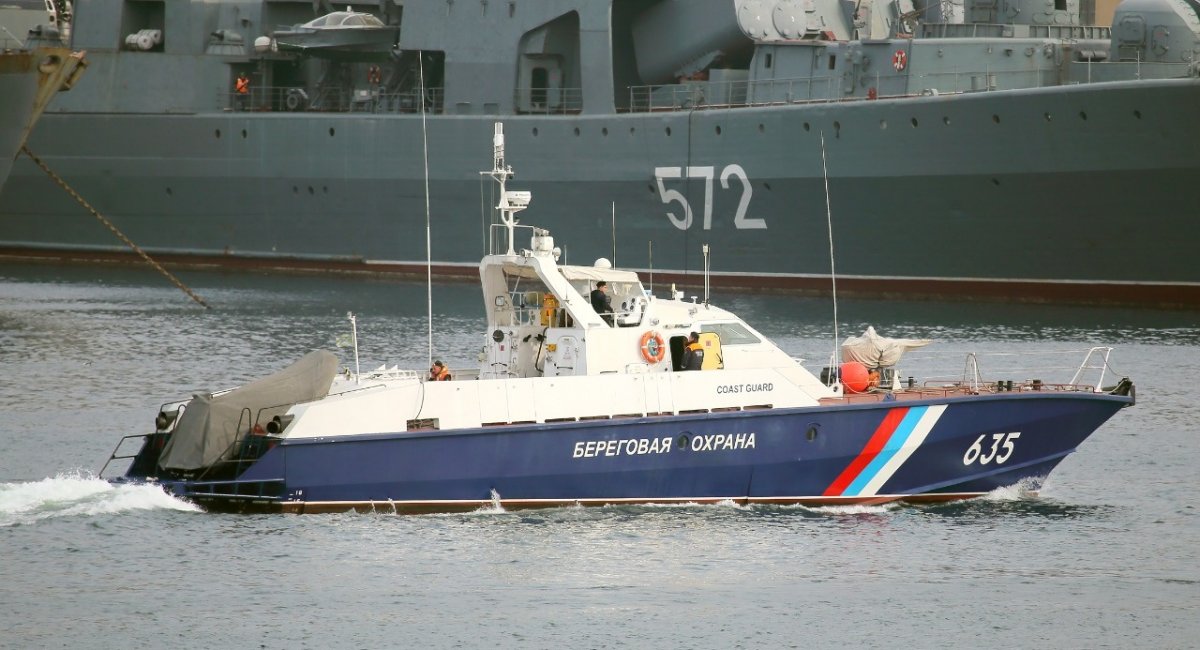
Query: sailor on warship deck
pixel 242 88
pixel 602 303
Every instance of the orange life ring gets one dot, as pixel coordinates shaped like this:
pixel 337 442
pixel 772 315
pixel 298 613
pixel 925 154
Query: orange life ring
pixel 653 348
pixel 899 60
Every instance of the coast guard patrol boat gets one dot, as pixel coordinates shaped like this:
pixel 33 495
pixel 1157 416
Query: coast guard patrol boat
pixel 571 406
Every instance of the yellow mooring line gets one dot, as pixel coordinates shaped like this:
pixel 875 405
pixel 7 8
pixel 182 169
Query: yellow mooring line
pixel 63 184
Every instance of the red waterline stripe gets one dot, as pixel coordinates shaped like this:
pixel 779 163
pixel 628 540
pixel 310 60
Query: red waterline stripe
pixel 874 446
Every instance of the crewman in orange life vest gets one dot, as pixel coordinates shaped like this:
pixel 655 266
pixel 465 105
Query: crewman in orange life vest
pixel 242 88
pixel 439 372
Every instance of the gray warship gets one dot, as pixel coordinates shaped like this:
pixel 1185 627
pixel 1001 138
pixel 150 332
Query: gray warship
pixel 31 72
pixel 998 149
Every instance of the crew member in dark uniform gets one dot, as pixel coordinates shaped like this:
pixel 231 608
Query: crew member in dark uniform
pixel 693 353
pixel 602 303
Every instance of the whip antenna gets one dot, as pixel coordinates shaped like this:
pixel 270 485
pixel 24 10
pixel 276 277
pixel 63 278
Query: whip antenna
pixel 832 272
pixel 428 245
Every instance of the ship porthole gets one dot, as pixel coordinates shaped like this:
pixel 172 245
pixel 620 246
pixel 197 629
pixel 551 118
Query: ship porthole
pixel 604 131
pixel 762 129
pixel 882 125
pixel 996 119
pixel 1137 114
pixel 718 129
pixel 806 127
pixel 1047 116
pixel 217 133
pixel 668 130
pixel 811 434
pixel 946 120
pixel 169 192
pixel 331 131
pixel 1083 115
pixel 576 131
pixel 632 130
pixel 244 134
pixel 682 442
pixel 535 132
pixel 914 122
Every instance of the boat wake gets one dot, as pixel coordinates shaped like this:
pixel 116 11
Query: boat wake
pixel 854 509
pixel 77 494
pixel 1024 490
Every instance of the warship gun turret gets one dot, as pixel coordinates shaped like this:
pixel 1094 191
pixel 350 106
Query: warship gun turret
pixel 1004 149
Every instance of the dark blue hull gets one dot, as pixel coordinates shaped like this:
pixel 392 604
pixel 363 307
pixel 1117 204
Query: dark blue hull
pixel 872 453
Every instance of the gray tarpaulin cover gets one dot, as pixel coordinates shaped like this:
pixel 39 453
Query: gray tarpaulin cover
pixel 873 350
pixel 209 425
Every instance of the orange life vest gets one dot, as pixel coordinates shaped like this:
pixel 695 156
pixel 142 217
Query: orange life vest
pixel 242 86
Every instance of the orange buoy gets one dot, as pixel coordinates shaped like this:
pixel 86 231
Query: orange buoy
pixel 854 376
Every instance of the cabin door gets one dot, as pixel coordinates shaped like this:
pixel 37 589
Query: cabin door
pixel 564 357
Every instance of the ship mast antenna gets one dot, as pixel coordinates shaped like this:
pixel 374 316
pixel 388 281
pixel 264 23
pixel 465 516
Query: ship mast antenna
pixel 510 202
pixel 832 272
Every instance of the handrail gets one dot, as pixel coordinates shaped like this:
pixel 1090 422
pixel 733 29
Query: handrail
pixel 113 456
pixel 1104 352
pixel 294 99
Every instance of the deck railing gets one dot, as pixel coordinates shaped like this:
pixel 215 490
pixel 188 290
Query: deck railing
pixel 364 100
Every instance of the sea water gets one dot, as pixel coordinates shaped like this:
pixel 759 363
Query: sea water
pixel 1105 555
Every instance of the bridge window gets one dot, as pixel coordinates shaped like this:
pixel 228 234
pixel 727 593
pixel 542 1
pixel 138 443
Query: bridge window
pixel 730 333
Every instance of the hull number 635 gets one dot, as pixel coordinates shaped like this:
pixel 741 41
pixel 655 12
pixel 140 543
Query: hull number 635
pixel 707 174
pixel 1001 448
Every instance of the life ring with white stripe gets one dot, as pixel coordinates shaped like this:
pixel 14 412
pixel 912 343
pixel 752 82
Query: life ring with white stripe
pixel 900 60
pixel 653 348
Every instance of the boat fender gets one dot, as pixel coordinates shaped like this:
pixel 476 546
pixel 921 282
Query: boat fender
pixel 900 60
pixel 652 347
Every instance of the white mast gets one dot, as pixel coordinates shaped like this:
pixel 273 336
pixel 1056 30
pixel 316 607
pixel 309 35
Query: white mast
pixel 428 227
pixel 510 202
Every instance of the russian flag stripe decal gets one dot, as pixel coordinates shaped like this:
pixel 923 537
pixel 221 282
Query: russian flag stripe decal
pixel 897 437
pixel 885 430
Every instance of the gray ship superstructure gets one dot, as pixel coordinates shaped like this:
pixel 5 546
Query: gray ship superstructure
pixel 1015 153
